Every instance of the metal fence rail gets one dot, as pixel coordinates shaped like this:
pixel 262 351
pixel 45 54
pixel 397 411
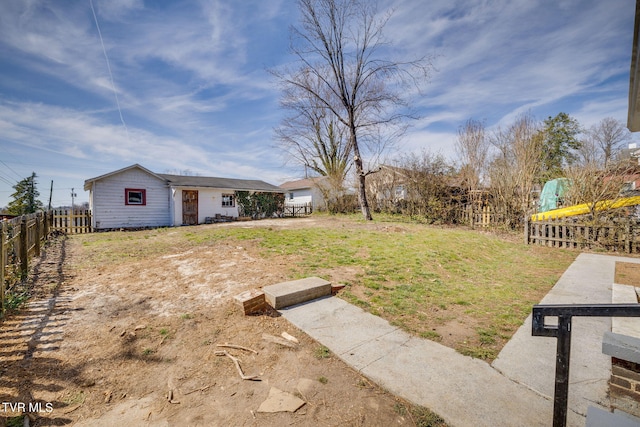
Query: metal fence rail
pixel 562 332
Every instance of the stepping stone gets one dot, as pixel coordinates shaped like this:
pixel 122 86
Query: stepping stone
pixel 280 401
pixel 294 292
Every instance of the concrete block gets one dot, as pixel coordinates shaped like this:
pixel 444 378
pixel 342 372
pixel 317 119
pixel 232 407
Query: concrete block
pixel 251 301
pixel 294 292
pixel 621 346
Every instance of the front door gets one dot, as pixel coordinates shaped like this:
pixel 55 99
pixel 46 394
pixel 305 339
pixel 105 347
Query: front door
pixel 189 207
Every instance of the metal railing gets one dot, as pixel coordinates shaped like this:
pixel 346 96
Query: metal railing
pixel 562 331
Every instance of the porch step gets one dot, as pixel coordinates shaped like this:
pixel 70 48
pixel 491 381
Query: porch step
pixel 294 292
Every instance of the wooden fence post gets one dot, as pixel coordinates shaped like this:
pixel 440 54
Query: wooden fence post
pixel 24 248
pixel 526 230
pixel 87 221
pixel 3 263
pixel 45 224
pixel 38 233
pixel 471 215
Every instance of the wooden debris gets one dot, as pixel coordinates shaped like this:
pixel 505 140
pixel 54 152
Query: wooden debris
pixel 236 362
pixel 107 396
pixel 170 393
pixel 139 327
pixel 279 341
pixel 199 389
pixel 238 347
pixel 290 338
pixel 170 397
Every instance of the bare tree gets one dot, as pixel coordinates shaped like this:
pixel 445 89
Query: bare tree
pixel 516 168
pixel 588 154
pixel 315 139
pixel 472 148
pixel 609 135
pixel 342 71
pixel 589 185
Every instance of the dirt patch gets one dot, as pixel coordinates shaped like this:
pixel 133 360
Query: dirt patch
pixel 134 342
pixel 627 273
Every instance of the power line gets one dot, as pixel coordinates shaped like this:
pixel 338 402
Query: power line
pixel 2 178
pixel 113 86
pixel 9 167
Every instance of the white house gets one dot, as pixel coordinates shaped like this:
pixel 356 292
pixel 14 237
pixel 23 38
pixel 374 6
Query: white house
pixel 136 197
pixel 305 191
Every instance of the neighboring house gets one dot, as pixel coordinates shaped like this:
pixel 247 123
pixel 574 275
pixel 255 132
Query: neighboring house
pixel 305 191
pixel 391 187
pixel 135 197
pixel 388 186
pixel 6 216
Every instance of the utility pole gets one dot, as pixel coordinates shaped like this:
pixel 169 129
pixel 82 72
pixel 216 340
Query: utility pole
pixel 50 195
pixel 73 196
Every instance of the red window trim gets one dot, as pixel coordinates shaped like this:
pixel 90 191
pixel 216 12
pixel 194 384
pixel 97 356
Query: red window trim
pixel 140 190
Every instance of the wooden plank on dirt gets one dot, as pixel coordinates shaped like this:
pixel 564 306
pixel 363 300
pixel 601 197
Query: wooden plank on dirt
pixel 285 294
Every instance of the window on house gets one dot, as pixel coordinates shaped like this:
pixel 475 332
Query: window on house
pixel 228 201
pixel 291 196
pixel 135 196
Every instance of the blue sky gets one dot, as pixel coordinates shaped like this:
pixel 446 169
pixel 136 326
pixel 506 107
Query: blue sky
pixel 194 94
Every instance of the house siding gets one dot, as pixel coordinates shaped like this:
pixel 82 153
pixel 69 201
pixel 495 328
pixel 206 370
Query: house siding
pixel 209 203
pixel 299 196
pixel 305 191
pixel 108 201
pixel 305 195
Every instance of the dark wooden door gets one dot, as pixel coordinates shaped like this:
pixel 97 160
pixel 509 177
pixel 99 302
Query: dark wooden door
pixel 189 207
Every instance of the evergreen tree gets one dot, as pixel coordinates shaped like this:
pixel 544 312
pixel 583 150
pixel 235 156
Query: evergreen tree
pixel 560 135
pixel 25 198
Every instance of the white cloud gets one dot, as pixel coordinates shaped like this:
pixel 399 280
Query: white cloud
pixel 115 10
pixel 191 82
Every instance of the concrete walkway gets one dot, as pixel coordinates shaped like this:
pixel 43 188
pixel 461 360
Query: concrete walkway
pixel 516 390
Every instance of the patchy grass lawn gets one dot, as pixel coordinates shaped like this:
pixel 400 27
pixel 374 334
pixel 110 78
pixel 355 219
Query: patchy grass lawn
pixel 467 289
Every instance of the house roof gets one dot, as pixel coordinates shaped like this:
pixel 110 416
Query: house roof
pixel 302 183
pixel 225 183
pixel 88 182
pixel 196 181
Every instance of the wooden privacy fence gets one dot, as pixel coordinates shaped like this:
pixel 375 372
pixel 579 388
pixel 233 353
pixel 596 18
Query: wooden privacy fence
pixel 482 216
pixel 619 235
pixel 21 239
pixel 70 221
pixel 297 210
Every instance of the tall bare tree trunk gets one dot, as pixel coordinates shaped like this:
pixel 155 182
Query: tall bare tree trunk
pixel 362 194
pixel 342 73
